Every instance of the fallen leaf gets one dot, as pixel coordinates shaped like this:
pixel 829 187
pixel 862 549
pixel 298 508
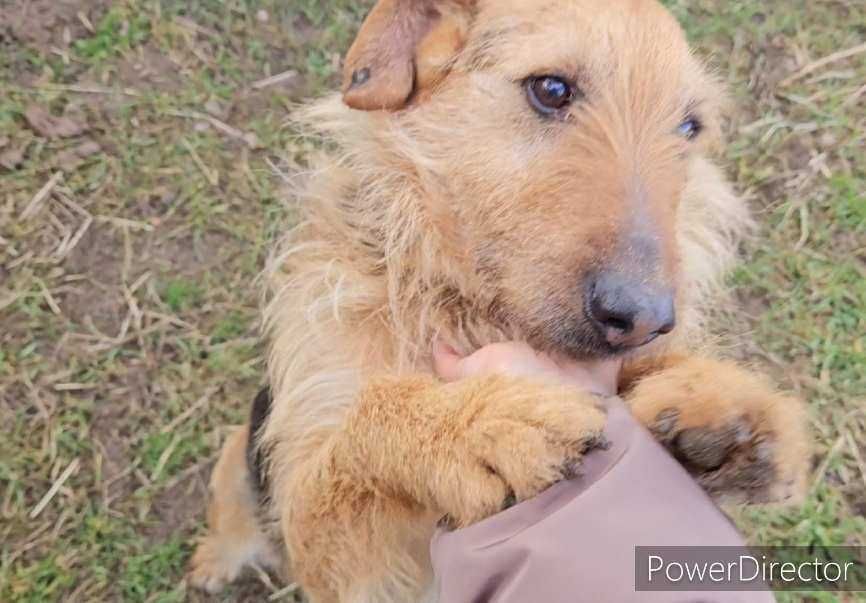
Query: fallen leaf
pixel 11 158
pixel 51 126
pixel 70 159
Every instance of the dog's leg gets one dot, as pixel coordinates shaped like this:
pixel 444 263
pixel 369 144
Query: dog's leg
pixel 742 440
pixel 412 449
pixel 235 538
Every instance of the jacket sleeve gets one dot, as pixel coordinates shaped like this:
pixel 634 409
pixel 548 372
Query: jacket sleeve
pixel 576 541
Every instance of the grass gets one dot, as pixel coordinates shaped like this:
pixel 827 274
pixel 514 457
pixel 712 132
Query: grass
pixel 128 307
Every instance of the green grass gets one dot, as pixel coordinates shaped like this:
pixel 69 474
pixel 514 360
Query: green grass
pixel 154 571
pixel 181 294
pixel 105 347
pixel 807 179
pixel 118 31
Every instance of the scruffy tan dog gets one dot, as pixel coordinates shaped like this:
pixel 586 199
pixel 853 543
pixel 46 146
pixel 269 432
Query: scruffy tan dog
pixel 495 170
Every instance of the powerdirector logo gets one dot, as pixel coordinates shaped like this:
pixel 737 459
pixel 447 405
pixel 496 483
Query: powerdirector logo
pixel 721 568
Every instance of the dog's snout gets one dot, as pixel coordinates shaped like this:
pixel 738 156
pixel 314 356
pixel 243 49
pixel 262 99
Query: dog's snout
pixel 628 313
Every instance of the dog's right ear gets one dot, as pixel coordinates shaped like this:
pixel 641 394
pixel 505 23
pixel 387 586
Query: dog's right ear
pixel 402 47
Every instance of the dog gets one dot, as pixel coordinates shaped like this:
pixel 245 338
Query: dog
pixel 494 170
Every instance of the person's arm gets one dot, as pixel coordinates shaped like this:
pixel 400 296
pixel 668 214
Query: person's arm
pixel 576 541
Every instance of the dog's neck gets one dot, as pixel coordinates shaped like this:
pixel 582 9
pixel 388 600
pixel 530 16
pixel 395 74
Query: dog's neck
pixel 433 289
pixel 366 208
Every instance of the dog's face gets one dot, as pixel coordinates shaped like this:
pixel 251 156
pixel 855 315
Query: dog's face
pixel 561 132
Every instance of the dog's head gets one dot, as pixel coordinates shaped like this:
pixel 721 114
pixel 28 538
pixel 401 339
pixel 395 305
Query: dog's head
pixel 559 134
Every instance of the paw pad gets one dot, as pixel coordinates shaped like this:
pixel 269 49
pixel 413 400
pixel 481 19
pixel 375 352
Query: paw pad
pixel 734 460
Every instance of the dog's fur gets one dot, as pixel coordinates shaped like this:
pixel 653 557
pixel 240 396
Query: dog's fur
pixel 444 206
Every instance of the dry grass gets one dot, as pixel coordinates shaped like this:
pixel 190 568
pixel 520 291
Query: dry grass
pixel 137 197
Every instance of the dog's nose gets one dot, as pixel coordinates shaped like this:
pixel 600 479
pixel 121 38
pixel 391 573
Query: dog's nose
pixel 629 313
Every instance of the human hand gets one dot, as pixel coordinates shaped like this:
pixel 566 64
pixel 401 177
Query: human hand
pixel 519 359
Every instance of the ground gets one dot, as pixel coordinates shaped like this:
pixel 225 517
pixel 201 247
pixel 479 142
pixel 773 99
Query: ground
pixel 143 153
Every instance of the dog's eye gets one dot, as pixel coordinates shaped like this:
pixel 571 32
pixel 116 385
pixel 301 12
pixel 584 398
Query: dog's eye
pixel 548 94
pixel 690 128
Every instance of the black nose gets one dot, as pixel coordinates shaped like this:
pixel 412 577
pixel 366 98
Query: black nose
pixel 629 313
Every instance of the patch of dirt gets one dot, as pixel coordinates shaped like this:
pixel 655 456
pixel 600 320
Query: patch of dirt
pixel 155 203
pixel 858 504
pixel 250 102
pixel 148 68
pixel 47 125
pixel 188 255
pixel 105 429
pixel 247 589
pixel 180 508
pixel 14 397
pixel 303 31
pixel 796 153
pixel 752 304
pixel 47 24
pixel 70 159
pixel 98 256
pixel 12 157
pixel 771 63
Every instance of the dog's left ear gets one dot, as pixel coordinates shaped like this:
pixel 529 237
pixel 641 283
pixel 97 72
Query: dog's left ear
pixel 403 46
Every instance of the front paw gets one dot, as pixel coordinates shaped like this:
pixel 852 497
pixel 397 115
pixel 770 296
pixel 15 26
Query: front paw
pixel 739 461
pixel 516 438
pixel 740 439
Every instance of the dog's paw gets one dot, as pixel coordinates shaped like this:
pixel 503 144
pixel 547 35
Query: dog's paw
pixel 211 569
pixel 218 561
pixel 520 438
pixel 740 461
pixel 742 441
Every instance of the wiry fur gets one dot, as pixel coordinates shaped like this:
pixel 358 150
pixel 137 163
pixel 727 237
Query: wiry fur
pixel 384 259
